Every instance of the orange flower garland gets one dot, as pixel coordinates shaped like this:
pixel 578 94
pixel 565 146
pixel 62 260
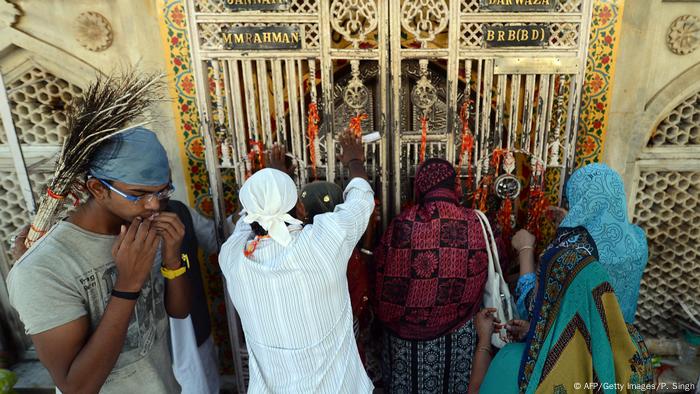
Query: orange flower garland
pixel 313 121
pixel 356 124
pixel 466 147
pixel 259 152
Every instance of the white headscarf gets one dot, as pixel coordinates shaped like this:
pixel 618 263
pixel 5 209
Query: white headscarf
pixel 266 197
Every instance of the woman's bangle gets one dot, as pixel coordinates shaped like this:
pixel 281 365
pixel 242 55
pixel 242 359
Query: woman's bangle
pixel 525 248
pixel 486 349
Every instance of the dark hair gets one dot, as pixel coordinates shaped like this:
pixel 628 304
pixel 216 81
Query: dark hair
pixel 258 229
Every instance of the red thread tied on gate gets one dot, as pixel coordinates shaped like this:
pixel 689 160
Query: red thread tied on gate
pixel 423 136
pixel 313 121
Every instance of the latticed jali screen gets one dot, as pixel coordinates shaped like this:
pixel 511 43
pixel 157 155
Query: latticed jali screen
pixel 13 210
pixel 295 6
pixel 681 127
pixel 668 208
pixel 562 34
pixel 566 6
pixel 38 100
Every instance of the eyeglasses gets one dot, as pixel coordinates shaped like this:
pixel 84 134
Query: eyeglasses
pixel 161 195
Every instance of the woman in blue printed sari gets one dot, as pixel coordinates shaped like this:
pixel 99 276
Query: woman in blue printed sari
pixel 584 301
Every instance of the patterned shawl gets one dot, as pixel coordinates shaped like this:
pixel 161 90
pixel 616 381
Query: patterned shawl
pixel 577 333
pixel 597 202
pixel 431 261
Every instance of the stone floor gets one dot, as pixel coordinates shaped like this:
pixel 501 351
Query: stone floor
pixel 33 378
pixel 674 378
pixel 677 378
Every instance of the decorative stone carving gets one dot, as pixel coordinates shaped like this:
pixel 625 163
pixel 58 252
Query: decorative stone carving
pixel 354 19
pixel 684 35
pixel 424 93
pixel 356 93
pixel 425 19
pixel 93 31
pixel 8 14
pixel 367 70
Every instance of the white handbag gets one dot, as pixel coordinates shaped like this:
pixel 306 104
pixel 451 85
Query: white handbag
pixel 496 292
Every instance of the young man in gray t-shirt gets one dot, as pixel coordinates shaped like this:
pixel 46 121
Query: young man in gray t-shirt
pixel 92 293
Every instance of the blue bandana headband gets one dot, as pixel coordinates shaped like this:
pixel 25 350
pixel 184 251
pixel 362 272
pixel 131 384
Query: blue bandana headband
pixel 135 157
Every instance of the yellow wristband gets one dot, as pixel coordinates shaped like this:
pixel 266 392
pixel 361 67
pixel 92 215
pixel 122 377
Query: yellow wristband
pixel 172 274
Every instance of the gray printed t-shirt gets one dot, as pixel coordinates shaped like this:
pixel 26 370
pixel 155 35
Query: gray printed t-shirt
pixel 69 273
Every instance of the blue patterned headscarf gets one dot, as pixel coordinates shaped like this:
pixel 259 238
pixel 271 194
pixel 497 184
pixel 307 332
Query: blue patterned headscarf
pixel 597 202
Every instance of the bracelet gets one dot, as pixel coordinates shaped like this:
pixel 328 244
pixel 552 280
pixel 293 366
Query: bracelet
pixel 366 251
pixel 485 349
pixel 525 248
pixel 172 274
pixel 127 295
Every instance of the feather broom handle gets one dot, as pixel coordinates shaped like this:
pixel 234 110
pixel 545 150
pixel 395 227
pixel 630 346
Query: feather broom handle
pixel 109 106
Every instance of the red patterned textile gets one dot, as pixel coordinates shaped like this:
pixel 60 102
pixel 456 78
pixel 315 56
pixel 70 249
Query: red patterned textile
pixel 358 286
pixel 433 174
pixel 431 263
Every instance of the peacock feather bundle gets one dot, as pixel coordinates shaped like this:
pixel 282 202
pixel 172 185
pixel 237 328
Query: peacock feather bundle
pixel 111 105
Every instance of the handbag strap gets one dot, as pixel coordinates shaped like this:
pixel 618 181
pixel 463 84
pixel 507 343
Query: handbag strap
pixel 491 247
pixel 495 263
pixel 491 269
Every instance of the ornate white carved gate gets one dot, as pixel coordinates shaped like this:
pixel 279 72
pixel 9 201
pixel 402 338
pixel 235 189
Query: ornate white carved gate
pixel 413 70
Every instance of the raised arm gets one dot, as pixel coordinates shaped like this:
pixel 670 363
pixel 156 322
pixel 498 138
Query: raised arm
pixel 353 155
pixel 524 244
pixel 341 229
pixel 353 215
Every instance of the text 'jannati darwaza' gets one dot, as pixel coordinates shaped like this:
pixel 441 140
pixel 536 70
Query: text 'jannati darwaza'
pixel 515 94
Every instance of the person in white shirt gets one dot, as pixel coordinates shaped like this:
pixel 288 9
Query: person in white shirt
pixel 289 285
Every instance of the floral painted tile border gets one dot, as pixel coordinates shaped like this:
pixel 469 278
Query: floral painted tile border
pixel 597 88
pixel 182 89
pixel 181 83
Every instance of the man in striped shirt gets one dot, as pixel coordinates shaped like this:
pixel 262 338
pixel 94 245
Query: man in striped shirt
pixel 289 286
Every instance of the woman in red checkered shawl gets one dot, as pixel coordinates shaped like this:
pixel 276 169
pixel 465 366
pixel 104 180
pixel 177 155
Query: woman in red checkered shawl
pixel 430 271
